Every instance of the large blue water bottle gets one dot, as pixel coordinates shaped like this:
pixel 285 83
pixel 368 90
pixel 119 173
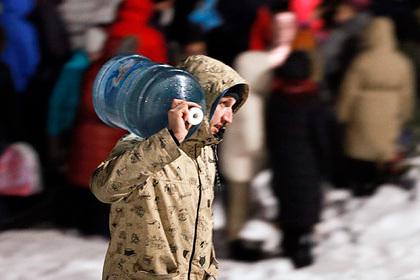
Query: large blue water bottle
pixel 134 93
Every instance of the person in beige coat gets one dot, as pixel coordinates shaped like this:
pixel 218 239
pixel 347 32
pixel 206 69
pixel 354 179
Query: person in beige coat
pixel 161 188
pixel 375 101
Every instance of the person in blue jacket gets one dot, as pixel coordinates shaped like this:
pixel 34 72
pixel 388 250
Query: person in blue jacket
pixel 21 52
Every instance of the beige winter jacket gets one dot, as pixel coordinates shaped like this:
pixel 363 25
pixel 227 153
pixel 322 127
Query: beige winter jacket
pixel 161 194
pixel 376 97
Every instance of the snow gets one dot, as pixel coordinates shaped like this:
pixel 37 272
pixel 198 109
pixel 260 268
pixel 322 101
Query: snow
pixel 372 239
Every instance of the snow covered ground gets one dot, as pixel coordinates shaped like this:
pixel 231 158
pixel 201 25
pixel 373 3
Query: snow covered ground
pixel 377 240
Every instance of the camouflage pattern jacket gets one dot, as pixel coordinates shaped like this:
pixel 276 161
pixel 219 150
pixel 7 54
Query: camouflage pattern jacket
pixel 161 194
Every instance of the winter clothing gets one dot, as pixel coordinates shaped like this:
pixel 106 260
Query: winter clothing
pixel 66 94
pixel 261 33
pixel 65 97
pixel 55 51
pixel 376 97
pixel 297 143
pixel 296 140
pixel 220 42
pixel 53 35
pixel 21 52
pixel 9 115
pixel 339 49
pixel 206 15
pixel 133 22
pixel 162 194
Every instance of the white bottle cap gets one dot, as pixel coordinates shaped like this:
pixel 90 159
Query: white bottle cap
pixel 196 116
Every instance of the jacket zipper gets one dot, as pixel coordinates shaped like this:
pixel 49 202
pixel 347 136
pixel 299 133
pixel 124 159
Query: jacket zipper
pixel 196 218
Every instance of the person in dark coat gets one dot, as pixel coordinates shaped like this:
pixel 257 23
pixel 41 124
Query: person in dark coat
pixel 237 17
pixel 297 145
pixel 344 42
pixel 10 128
pixel 9 115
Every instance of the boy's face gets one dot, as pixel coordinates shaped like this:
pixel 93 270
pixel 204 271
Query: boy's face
pixel 223 114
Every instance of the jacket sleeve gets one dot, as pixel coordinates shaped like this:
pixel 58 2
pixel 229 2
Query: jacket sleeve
pixel 130 163
pixel 349 90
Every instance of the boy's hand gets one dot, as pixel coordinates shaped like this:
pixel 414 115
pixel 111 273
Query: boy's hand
pixel 178 118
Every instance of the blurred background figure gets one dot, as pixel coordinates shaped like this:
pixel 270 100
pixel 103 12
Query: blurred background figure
pixel 343 42
pixel 346 19
pixel 10 119
pixel 297 146
pixel 19 58
pixel 21 48
pixel 308 15
pixel 407 29
pixel 9 123
pixel 91 139
pixel 65 102
pixel 376 100
pixel 242 153
pixel 65 96
pixel 231 38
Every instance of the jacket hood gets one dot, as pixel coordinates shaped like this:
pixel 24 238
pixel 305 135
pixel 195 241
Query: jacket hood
pixel 216 79
pixel 379 34
pixel 135 12
pixel 17 7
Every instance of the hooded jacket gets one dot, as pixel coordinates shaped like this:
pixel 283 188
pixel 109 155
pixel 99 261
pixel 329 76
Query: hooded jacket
pixel 376 96
pixel 161 194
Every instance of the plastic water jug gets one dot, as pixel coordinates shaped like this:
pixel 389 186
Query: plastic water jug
pixel 134 93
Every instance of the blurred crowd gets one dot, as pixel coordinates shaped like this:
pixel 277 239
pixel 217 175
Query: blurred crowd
pixel 332 103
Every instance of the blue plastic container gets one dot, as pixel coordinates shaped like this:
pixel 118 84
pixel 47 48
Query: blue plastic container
pixel 134 93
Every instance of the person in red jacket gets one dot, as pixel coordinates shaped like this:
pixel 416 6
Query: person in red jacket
pixel 92 139
pixel 133 22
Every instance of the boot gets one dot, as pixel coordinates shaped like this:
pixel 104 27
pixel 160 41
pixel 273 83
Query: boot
pixel 245 250
pixel 297 245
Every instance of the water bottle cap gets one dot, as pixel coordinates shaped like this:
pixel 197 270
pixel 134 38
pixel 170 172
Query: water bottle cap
pixel 196 116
